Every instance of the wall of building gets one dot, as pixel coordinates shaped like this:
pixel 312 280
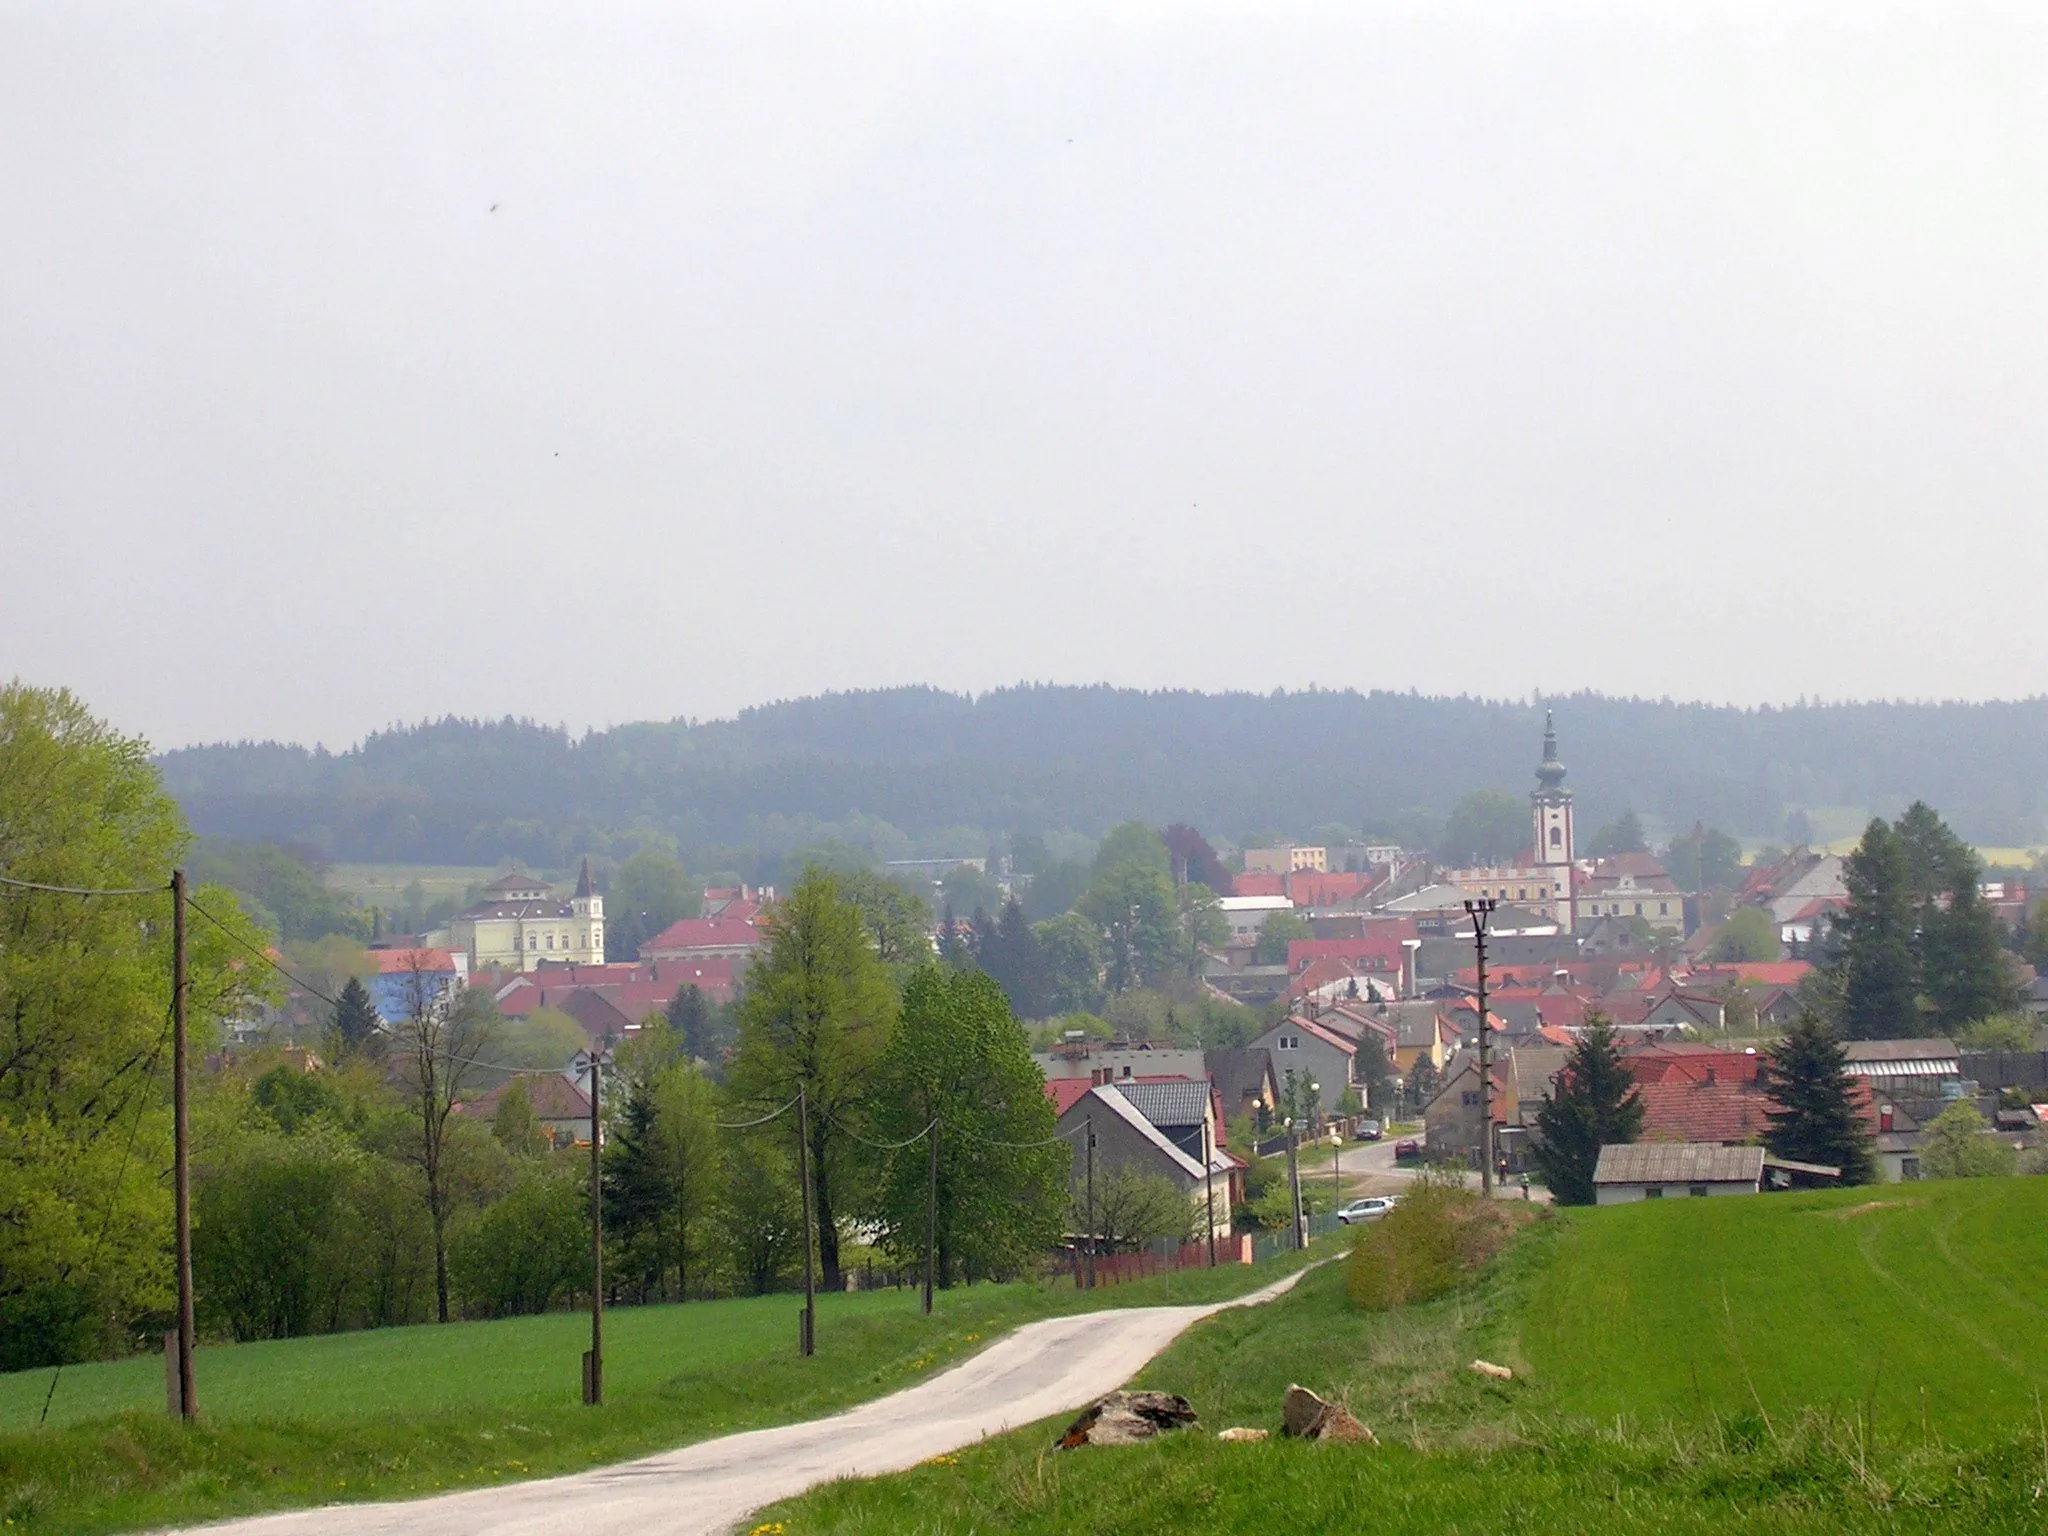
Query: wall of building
pixel 1628 1194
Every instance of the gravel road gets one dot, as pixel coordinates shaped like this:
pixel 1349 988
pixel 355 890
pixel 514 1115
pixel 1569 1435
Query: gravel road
pixel 1042 1369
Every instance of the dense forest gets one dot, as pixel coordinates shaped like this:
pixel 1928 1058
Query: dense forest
pixel 910 771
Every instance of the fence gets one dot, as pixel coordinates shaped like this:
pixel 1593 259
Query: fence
pixel 1164 1257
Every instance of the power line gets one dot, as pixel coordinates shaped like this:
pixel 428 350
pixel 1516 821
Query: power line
pixel 262 955
pixel 80 890
pixel 990 1141
pixel 885 1146
pixel 741 1125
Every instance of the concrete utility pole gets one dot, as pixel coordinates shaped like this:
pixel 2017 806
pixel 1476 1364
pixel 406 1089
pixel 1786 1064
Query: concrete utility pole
pixel 1089 1132
pixel 1294 1180
pixel 593 1365
pixel 931 1218
pixel 1209 1181
pixel 1479 911
pixel 181 1161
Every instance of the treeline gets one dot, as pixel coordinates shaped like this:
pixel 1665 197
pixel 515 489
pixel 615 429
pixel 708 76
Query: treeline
pixel 909 771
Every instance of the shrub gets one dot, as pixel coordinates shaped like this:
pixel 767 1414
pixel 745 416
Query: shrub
pixel 1427 1245
pixel 525 1251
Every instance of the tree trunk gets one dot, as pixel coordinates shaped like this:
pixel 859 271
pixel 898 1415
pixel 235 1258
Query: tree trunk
pixel 440 1253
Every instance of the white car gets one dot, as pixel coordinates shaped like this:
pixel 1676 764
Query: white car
pixel 1372 1208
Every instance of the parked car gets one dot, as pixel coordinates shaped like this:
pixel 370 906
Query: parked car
pixel 1368 1130
pixel 1407 1149
pixel 1372 1208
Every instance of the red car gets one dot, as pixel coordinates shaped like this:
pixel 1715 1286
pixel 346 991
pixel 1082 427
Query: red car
pixel 1407 1149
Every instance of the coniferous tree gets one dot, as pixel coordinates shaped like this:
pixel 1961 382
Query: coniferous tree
pixel 1816 1120
pixel 358 1031
pixel 1876 959
pixel 1595 1103
pixel 689 1015
pixel 1010 952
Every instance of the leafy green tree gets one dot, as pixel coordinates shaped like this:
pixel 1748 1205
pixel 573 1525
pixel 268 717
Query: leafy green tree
pixel 1132 1209
pixel 1054 889
pixel 966 889
pixel 1595 1103
pixel 898 920
pixel 283 889
pixel 1748 935
pixel 85 1215
pixel 517 1128
pixel 1486 827
pixel 1132 842
pixel 292 1097
pixel 1009 951
pixel 1204 928
pixel 650 891
pixel 527 1250
pixel 1816 1119
pixel 1704 859
pixel 1959 1145
pixel 2034 937
pixel 1876 955
pixel 265 1256
pixel 958 1057
pixel 1278 931
pixel 1072 951
pixel 1134 906
pixel 662 1179
pixel 2000 1032
pixel 1376 1073
pixel 357 1030
pixel 543 1040
pixel 816 1018
pixel 1622 836
pixel 760 1213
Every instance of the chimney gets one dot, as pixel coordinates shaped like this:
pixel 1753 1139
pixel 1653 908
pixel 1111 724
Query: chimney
pixel 1884 1117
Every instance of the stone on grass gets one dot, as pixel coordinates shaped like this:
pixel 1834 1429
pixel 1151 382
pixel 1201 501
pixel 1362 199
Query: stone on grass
pixel 1125 1418
pixel 1488 1368
pixel 1240 1435
pixel 1309 1417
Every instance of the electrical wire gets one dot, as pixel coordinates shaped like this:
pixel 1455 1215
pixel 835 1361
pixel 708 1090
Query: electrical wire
pixel 742 1125
pixel 989 1141
pixel 262 955
pixel 885 1146
pixel 80 890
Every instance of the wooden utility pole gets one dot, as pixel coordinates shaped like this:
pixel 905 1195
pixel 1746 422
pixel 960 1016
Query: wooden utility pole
pixel 1089 1132
pixel 1209 1180
pixel 931 1218
pixel 593 1363
pixel 181 1159
pixel 1294 1181
pixel 1479 911
pixel 807 1341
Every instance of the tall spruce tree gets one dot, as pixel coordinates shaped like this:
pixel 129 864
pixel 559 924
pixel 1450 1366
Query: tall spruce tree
pixel 689 1015
pixel 1010 952
pixel 1816 1120
pixel 1595 1103
pixel 1877 958
pixel 357 1030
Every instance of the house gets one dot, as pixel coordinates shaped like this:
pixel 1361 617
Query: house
pixel 1421 1033
pixel 733 934
pixel 1285 859
pixel 562 1108
pixel 1632 885
pixel 1244 1080
pixel 414 982
pixel 518 923
pixel 1650 1170
pixel 1673 1011
pixel 1122 1137
pixel 600 1018
pixel 1109 1061
pixel 1904 1068
pixel 1246 915
pixel 1454 1120
pixel 1383 953
pixel 1307 1052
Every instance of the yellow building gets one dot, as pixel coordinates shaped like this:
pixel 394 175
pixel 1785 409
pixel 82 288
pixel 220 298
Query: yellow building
pixel 519 923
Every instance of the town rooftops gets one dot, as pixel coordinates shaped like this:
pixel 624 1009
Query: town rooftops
pixel 400 962
pixel 1877 1059
pixel 1168 1100
pixel 1678 1162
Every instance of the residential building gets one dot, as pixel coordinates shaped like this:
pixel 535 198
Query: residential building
pixel 1124 1138
pixel 519 924
pixel 1247 915
pixel 1308 1052
pixel 1113 1061
pixel 1245 1082
pixel 732 932
pixel 1632 885
pixel 414 982
pixel 562 1108
pixel 1285 859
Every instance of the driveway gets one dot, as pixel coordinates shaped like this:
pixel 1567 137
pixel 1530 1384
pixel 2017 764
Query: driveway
pixel 1042 1369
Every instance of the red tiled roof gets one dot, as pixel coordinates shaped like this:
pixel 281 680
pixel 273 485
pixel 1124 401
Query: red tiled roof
pixel 722 932
pixel 1768 973
pixel 398 961
pixel 552 1098
pixel 1319 888
pixel 1373 954
pixel 1066 1092
pixel 1258 883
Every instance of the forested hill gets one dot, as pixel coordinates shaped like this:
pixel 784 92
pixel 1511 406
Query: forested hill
pixel 1080 759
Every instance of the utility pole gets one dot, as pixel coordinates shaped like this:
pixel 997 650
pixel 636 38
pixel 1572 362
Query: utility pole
pixel 1479 911
pixel 807 1342
pixel 181 1176
pixel 1209 1181
pixel 1089 1132
pixel 931 1218
pixel 1294 1180
pixel 1336 1169
pixel 593 1363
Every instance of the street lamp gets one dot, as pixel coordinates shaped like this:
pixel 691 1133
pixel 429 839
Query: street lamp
pixel 1336 1169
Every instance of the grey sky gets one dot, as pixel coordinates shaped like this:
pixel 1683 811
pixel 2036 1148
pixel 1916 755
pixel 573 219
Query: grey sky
pixel 1676 350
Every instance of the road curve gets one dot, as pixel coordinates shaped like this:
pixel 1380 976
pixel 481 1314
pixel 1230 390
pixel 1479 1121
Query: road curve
pixel 1042 1369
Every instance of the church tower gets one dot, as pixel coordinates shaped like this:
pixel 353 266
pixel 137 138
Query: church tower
pixel 1550 806
pixel 588 908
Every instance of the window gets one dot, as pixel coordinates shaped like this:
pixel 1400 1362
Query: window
pixel 1654 1192
pixel 533 941
pixel 1639 909
pixel 1469 1098
pixel 1663 909
pixel 1696 1190
pixel 1556 836
pixel 551 941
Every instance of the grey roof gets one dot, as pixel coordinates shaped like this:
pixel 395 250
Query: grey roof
pixel 1901 1050
pixel 1239 1074
pixel 1678 1162
pixel 1178 1103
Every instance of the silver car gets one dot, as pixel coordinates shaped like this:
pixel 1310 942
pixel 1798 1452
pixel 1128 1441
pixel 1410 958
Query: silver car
pixel 1371 1208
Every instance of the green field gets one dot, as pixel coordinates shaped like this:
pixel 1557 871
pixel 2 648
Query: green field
pixel 1853 1360
pixel 408 1410
pixel 384 885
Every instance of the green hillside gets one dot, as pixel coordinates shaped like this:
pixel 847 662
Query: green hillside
pixel 1924 1302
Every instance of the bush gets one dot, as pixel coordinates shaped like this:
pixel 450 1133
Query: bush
pixel 1427 1245
pixel 522 1253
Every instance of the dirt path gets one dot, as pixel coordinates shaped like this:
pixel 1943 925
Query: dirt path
pixel 1040 1370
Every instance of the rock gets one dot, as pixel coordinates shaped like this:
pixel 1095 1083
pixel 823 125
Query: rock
pixel 1125 1418
pixel 1300 1411
pixel 1309 1417
pixel 1488 1368
pixel 1242 1436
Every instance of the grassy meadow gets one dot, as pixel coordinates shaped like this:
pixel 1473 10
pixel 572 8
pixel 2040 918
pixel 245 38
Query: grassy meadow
pixel 384 885
pixel 1853 1360
pixel 400 1411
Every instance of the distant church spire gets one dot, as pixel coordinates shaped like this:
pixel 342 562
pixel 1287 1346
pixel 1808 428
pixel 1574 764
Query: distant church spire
pixel 583 889
pixel 1550 772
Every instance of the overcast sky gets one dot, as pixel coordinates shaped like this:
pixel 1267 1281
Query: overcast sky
pixel 362 363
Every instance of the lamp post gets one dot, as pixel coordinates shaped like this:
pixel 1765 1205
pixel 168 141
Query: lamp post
pixel 1336 1169
pixel 1294 1179
pixel 1479 911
